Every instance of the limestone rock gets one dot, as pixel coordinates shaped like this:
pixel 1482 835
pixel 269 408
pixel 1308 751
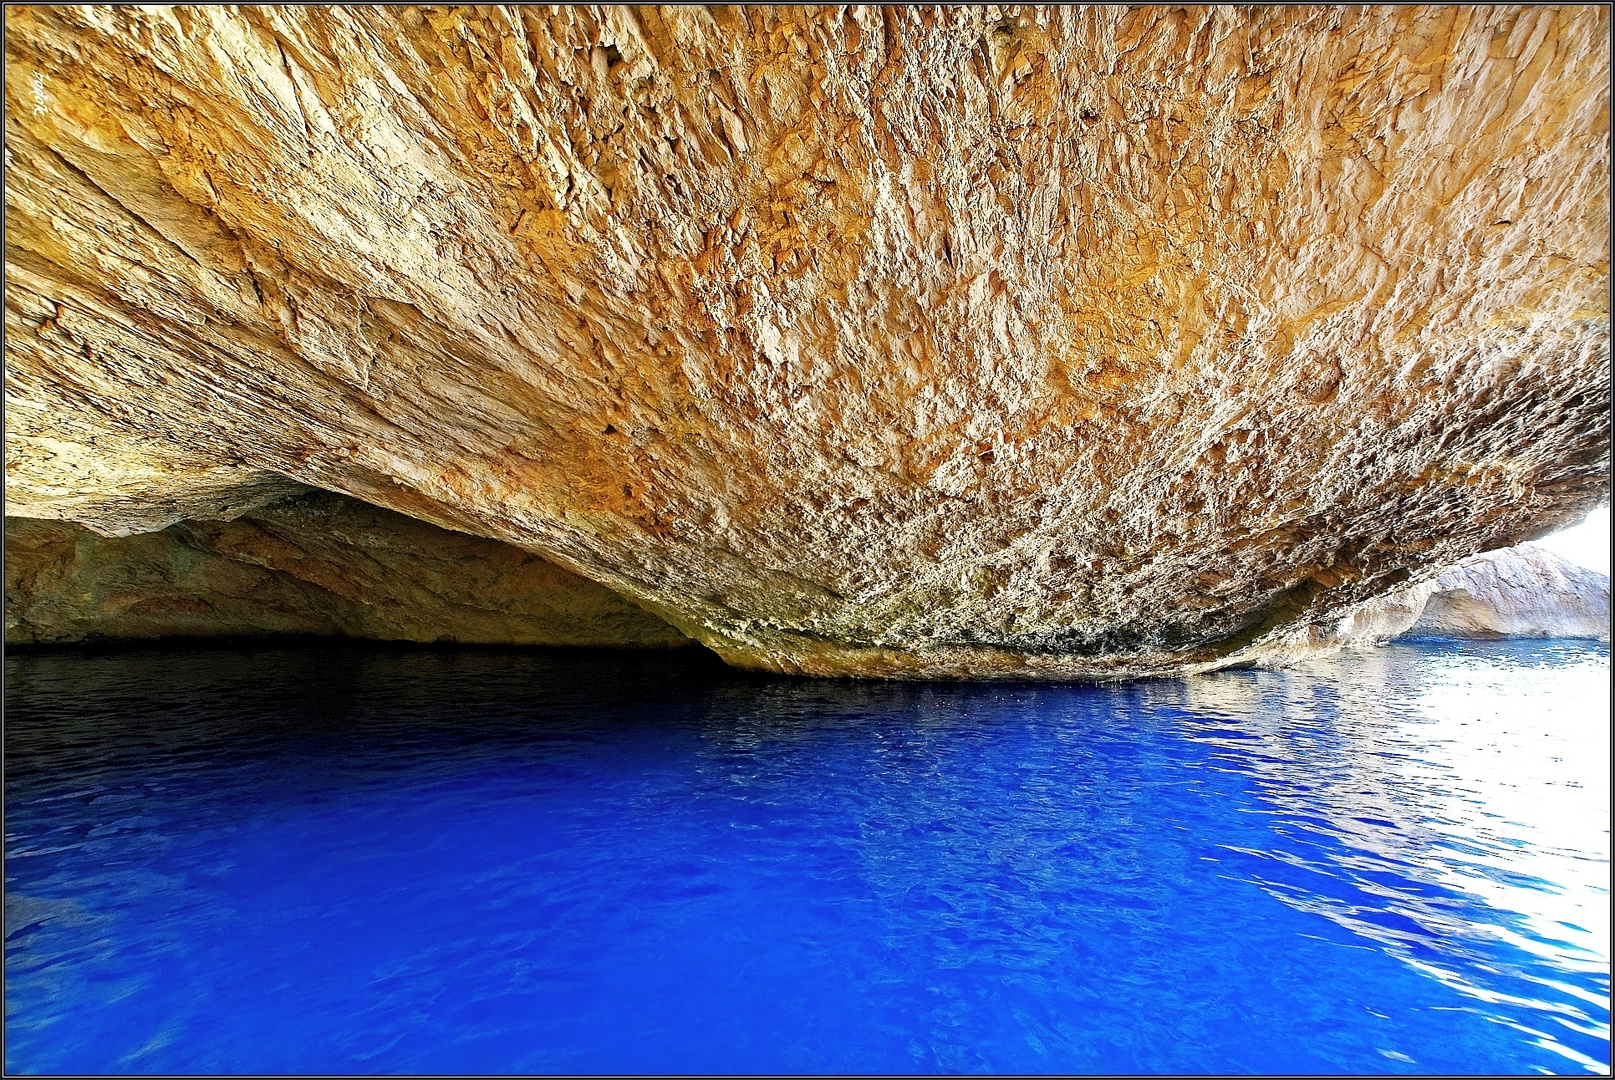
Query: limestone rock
pixel 910 341
pixel 1526 591
pixel 310 563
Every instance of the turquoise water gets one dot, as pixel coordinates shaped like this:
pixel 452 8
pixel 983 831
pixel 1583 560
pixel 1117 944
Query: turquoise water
pixel 362 859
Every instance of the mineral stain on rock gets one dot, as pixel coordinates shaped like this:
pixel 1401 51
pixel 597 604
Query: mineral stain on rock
pixel 924 342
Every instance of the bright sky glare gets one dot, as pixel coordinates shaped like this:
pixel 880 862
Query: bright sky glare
pixel 1586 544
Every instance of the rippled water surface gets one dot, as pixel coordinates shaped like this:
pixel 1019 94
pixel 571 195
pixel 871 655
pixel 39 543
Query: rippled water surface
pixel 344 859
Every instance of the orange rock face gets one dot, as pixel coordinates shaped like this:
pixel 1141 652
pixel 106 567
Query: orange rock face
pixel 932 342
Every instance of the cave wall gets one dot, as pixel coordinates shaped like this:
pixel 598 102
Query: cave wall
pixel 906 341
pixel 1524 591
pixel 309 563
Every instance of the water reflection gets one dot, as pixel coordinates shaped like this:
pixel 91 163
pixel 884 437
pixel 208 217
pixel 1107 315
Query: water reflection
pixel 362 860
pixel 1404 786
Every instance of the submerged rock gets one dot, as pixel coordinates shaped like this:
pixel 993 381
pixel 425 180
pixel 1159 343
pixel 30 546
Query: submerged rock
pixel 310 563
pixel 904 341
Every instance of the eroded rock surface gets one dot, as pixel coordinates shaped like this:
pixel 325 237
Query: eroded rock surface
pixel 310 563
pixel 973 341
pixel 1526 591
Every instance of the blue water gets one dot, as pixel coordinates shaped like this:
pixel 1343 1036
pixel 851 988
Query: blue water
pixel 361 859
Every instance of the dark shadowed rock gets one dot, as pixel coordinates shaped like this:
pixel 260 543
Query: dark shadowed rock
pixel 311 563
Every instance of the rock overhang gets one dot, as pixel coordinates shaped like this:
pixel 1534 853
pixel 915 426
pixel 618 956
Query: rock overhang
pixel 1010 342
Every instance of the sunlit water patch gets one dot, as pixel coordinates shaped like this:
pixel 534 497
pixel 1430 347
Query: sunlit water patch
pixel 345 859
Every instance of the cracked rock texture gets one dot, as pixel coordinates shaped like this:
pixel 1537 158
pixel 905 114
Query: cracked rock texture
pixel 917 342
pixel 310 563
pixel 1525 591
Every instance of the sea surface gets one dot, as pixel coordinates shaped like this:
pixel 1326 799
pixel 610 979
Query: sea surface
pixel 354 859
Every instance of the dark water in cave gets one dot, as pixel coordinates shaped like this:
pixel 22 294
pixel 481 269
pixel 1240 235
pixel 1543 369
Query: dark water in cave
pixel 362 859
